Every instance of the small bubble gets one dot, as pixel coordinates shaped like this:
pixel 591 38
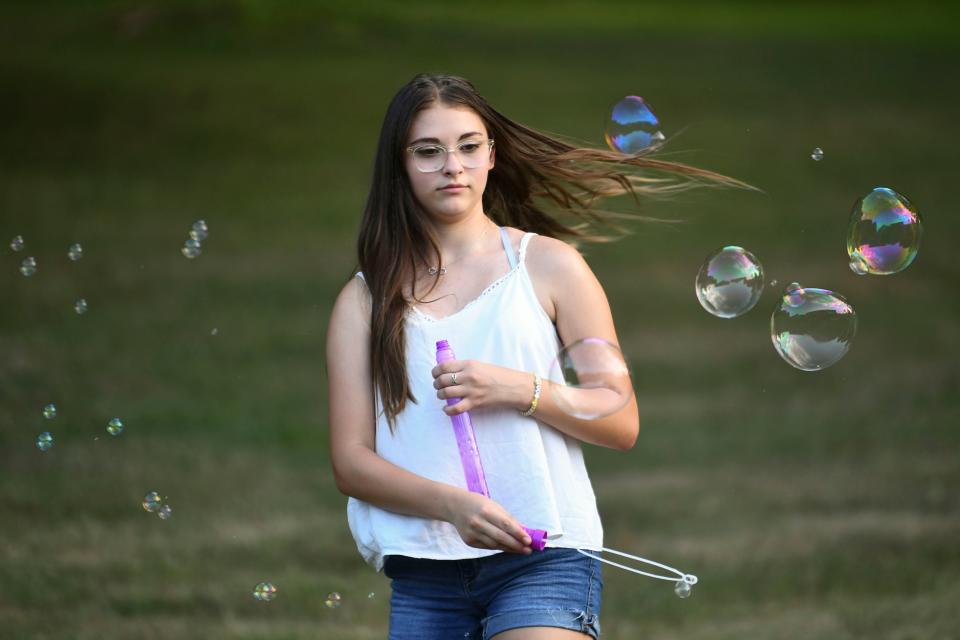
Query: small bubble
pixel 682 589
pixel 80 306
pixel 50 411
pixel 371 595
pixel 817 154
pixel 151 502
pixel 165 512
pixel 115 427
pixel 214 331
pixel 28 267
pixel 199 231
pixel 333 600
pixel 17 243
pixel 75 252
pixel 191 248
pixel 44 441
pixel 264 592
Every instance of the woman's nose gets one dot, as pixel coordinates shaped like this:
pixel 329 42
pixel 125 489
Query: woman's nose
pixel 452 165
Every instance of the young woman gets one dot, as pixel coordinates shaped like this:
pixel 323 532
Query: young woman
pixel 456 244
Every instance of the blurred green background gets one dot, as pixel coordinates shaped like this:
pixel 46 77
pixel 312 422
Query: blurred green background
pixel 811 506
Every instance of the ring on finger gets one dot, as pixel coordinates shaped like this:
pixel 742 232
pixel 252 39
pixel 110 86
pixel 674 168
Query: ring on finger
pixel 453 378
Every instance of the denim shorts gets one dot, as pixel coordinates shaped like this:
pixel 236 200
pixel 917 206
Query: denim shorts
pixel 479 598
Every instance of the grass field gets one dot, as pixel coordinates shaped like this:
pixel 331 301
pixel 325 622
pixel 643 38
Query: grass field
pixel 812 506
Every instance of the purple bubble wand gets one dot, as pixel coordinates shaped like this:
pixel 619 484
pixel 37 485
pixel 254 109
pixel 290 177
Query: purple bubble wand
pixel 470 453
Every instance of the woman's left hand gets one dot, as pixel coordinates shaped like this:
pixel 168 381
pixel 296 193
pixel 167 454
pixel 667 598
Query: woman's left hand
pixel 480 384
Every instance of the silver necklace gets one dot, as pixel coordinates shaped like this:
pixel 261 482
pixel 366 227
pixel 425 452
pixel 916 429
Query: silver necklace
pixel 432 271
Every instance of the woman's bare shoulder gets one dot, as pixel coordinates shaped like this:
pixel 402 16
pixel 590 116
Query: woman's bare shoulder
pixel 554 258
pixel 353 303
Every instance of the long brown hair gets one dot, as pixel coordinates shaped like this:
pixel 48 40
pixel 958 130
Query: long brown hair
pixel 534 172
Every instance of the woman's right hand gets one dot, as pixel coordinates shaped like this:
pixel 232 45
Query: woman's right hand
pixel 484 524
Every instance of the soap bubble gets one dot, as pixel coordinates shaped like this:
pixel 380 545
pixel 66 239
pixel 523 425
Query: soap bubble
pixel 115 427
pixel 17 243
pixel 264 592
pixel 817 154
pixel 75 252
pixel 28 267
pixel 44 441
pixel 591 379
pixel 729 282
pixel 884 233
pixel 165 512
pixel 151 502
pixel 80 306
pixel 50 411
pixel 371 595
pixel 333 600
pixel 682 589
pixel 191 248
pixel 632 127
pixel 199 231
pixel 812 328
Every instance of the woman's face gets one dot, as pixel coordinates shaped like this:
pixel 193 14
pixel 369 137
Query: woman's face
pixel 453 191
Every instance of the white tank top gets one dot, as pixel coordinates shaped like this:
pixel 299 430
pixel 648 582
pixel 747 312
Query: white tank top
pixel 536 472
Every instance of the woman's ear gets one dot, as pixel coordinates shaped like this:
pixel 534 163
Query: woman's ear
pixel 493 158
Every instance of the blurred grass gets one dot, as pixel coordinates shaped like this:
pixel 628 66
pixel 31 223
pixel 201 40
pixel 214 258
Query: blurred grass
pixel 811 505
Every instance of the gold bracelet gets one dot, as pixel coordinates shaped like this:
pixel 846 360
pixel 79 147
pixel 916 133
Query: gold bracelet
pixel 536 397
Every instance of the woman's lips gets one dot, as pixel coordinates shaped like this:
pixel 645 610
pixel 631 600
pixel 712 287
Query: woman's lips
pixel 453 187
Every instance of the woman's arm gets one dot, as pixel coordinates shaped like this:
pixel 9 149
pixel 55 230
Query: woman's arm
pixel 572 297
pixel 357 468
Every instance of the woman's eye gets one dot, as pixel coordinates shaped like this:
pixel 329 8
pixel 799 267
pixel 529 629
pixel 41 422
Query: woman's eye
pixel 427 152
pixel 470 147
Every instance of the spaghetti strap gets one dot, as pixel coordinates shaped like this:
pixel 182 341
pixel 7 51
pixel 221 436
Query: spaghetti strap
pixel 505 238
pixel 524 241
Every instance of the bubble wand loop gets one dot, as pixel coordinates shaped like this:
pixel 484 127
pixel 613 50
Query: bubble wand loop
pixel 476 482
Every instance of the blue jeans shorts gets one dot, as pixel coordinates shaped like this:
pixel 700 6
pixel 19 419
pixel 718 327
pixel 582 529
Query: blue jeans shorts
pixel 477 599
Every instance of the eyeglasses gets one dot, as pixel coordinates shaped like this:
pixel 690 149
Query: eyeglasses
pixel 428 158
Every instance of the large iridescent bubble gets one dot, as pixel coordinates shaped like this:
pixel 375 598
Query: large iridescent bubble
pixel 729 282
pixel 633 127
pixel 812 328
pixel 884 233
pixel 591 379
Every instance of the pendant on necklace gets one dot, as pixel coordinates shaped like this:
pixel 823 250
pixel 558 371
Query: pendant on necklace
pixel 433 271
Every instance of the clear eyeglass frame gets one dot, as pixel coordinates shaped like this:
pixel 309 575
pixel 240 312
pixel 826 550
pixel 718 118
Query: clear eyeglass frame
pixel 435 163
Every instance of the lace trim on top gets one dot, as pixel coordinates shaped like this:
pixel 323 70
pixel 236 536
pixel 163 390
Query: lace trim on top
pixel 492 286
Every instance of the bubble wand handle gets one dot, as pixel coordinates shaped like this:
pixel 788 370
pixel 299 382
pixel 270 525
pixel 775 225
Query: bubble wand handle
pixel 466 439
pixel 470 453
